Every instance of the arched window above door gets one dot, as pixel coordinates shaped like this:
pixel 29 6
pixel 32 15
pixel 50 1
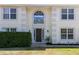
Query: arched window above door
pixel 38 17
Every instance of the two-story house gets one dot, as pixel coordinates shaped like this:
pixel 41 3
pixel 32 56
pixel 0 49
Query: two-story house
pixel 59 22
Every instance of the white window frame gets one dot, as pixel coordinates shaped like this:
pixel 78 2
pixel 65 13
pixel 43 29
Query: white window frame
pixel 9 13
pixel 38 16
pixel 9 29
pixel 68 13
pixel 67 37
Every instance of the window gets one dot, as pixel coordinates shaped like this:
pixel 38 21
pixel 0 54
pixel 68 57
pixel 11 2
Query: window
pixel 10 29
pixel 13 29
pixel 5 13
pixel 13 13
pixel 70 33
pixel 38 17
pixel 9 13
pixel 67 13
pixel 66 33
pixel 63 33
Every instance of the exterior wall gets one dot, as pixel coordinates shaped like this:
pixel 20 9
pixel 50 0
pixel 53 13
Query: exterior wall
pixel 52 22
pixel 21 22
pixel 45 26
pixel 24 21
pixel 58 23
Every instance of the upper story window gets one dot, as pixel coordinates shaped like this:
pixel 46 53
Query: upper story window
pixel 38 17
pixel 67 14
pixel 9 13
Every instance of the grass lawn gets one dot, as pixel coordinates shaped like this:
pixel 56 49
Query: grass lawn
pixel 37 51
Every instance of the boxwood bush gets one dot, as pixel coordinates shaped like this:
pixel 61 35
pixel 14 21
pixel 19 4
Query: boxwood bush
pixel 15 39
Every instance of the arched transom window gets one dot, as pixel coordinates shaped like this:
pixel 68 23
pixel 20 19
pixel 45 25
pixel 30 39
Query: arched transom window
pixel 38 17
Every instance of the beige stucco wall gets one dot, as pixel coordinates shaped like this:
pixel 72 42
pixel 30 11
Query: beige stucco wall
pixel 24 21
pixel 52 21
pixel 47 19
pixel 20 22
pixel 59 23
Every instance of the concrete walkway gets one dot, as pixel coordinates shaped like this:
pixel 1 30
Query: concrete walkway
pixel 56 46
pixel 62 46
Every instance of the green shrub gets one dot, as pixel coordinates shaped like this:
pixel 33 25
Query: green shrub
pixel 15 39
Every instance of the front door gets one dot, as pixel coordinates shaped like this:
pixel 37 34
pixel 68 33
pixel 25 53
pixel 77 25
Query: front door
pixel 39 33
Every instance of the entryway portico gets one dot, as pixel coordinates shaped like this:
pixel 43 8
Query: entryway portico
pixel 38 34
pixel 39 17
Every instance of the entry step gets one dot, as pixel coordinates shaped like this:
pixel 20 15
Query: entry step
pixel 38 45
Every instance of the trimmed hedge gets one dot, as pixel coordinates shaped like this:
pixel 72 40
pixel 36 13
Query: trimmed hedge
pixel 15 39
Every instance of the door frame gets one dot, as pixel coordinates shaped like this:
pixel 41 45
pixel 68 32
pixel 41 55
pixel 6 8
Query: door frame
pixel 34 36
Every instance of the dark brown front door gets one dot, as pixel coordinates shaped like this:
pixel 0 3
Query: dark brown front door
pixel 38 35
